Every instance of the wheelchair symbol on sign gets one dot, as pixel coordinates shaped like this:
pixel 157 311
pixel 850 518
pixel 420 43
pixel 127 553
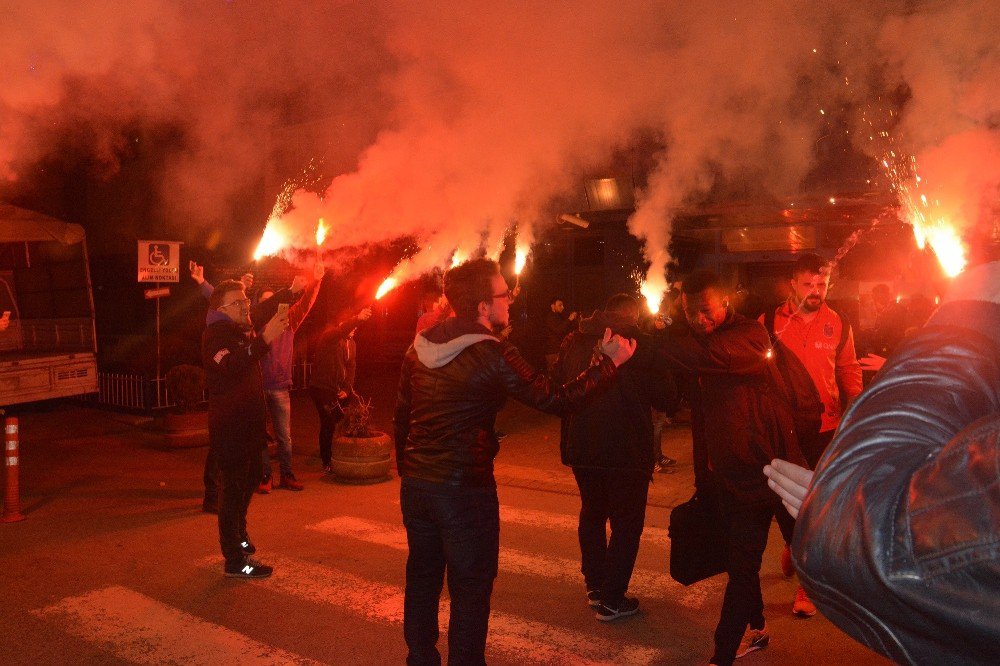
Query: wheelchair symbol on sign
pixel 158 256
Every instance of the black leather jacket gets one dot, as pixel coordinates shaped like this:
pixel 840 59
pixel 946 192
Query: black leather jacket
pixel 898 542
pixel 237 417
pixel 455 378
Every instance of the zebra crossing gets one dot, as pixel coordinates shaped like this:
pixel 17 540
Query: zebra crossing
pixel 138 628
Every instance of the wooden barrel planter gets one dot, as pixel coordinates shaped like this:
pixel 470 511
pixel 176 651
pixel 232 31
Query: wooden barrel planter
pixel 185 430
pixel 360 460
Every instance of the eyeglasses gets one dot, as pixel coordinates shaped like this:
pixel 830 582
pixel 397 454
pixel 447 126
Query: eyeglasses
pixel 243 303
pixel 509 295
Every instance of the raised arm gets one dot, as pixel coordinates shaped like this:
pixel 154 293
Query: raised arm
pixel 740 350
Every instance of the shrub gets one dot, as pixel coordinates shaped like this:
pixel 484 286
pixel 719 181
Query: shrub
pixel 186 385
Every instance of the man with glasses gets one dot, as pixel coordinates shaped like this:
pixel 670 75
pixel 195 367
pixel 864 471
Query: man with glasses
pixel 236 415
pixel 455 378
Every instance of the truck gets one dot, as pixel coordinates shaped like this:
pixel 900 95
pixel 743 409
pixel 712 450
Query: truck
pixel 48 340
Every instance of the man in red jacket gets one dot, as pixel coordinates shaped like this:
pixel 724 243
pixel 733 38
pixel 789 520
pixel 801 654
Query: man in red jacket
pixel 816 353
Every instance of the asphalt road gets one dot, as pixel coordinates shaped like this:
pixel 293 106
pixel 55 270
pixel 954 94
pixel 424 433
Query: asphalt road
pixel 115 562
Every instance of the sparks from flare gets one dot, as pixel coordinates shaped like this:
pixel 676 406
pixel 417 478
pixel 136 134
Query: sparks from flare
pixel 931 226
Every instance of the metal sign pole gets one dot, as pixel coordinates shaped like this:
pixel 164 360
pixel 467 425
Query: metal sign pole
pixel 158 404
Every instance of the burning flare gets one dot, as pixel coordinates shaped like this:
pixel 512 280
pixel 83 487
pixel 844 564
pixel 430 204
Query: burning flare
pixel 653 295
pixel 520 259
pixel 946 243
pixel 271 242
pixel 388 285
pixel 321 231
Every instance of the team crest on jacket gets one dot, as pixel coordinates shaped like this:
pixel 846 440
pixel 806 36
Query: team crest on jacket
pixel 828 330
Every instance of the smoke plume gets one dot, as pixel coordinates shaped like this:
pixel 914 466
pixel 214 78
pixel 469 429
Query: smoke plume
pixel 466 120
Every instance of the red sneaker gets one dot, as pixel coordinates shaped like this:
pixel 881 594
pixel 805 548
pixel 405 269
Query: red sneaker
pixel 265 487
pixel 803 607
pixel 787 568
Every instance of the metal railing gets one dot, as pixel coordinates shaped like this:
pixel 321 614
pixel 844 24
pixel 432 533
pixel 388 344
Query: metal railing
pixel 138 392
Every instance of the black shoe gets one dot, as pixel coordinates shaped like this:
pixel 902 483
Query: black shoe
pixel 624 608
pixel 593 598
pixel 248 568
pixel 500 435
pixel 247 547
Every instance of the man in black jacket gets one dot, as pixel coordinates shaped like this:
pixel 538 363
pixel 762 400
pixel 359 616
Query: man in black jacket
pixel 736 421
pixel 898 541
pixel 331 382
pixel 236 415
pixel 609 444
pixel 455 378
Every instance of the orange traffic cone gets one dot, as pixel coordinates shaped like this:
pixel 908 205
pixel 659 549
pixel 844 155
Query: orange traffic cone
pixel 11 499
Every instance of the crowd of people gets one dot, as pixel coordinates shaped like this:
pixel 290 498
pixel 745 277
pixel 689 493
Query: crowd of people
pixel 886 498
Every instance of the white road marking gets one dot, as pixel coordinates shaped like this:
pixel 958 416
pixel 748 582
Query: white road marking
pixel 648 584
pixel 654 536
pixel 518 639
pixel 140 629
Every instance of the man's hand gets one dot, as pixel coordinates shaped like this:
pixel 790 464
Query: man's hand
pixel 617 348
pixel 365 314
pixel 298 284
pixel 275 327
pixel 572 316
pixel 197 272
pixel 247 280
pixel 981 283
pixel 872 362
pixel 790 482
pixel 341 395
pixel 319 269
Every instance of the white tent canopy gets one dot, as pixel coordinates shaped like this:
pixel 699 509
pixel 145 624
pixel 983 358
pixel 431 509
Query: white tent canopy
pixel 18 225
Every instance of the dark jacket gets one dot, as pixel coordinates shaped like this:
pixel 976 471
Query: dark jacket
pixel 613 429
pixel 898 542
pixel 335 359
pixel 557 327
pixel 737 417
pixel 455 378
pixel 236 408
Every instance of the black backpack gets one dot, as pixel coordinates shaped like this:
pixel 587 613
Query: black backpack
pixel 798 389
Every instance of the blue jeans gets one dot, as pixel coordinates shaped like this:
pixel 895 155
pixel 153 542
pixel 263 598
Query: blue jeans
pixel 456 529
pixel 279 404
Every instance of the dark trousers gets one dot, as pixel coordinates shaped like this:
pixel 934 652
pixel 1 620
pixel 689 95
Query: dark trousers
pixel 742 604
pixel 453 529
pixel 330 414
pixel 210 477
pixel 618 496
pixel 812 448
pixel 238 485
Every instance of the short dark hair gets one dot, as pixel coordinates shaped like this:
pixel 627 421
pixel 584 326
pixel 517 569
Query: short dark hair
pixel 700 280
pixel 469 284
pixel 221 289
pixel 810 263
pixel 623 305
